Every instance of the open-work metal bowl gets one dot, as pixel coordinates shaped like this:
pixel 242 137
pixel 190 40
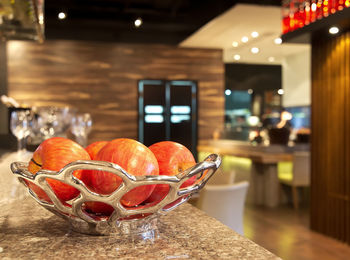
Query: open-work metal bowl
pixel 123 220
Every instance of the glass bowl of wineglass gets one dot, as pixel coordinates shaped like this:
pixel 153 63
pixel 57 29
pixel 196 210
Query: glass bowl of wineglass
pixel 81 126
pixel 21 126
pixel 53 121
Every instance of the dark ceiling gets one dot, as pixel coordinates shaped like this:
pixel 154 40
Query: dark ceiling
pixel 164 21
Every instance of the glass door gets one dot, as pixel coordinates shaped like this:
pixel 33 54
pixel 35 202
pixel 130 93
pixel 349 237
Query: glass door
pixel 168 111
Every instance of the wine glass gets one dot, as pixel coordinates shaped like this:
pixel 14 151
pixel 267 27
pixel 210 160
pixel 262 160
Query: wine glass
pixel 81 127
pixel 21 126
pixel 52 121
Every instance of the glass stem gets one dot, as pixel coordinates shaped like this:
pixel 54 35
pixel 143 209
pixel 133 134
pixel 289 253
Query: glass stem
pixel 20 144
pixel 82 140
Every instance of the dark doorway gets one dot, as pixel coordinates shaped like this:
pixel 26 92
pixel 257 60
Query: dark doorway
pixel 168 111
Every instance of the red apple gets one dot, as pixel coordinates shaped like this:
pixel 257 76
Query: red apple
pixel 99 208
pixel 133 157
pixel 172 158
pixel 94 206
pixel 53 154
pixel 94 148
pixel 104 210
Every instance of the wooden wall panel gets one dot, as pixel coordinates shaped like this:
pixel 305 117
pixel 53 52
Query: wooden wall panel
pixel 330 189
pixel 3 89
pixel 101 78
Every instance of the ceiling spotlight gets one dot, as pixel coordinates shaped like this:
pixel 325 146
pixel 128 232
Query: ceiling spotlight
pixel 271 59
pixel 235 44
pixel 237 57
pixel 280 91
pixel 138 22
pixel 254 50
pixel 278 41
pixel 227 92
pixel 244 39
pixel 333 30
pixel 62 15
pixel 250 91
pixel 255 34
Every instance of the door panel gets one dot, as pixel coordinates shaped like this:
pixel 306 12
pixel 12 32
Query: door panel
pixel 183 113
pixel 151 111
pixel 168 111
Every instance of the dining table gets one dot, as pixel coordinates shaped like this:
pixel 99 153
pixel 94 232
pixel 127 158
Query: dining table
pixel 264 184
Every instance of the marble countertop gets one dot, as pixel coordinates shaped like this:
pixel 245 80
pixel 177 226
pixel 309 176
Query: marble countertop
pixel 28 231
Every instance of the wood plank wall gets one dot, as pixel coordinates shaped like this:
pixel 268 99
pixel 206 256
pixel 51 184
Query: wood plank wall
pixel 3 89
pixel 330 189
pixel 101 78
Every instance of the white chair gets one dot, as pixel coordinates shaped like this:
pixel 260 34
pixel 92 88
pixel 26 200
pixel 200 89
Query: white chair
pixel 219 178
pixel 225 203
pixel 295 174
pixel 222 177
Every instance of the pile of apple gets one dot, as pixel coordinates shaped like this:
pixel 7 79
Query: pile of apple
pixel 162 158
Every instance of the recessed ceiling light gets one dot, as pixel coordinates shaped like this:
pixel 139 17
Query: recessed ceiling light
pixel 227 92
pixel 254 50
pixel 244 39
pixel 235 44
pixel 138 22
pixel 271 59
pixel 278 41
pixel 237 57
pixel 280 91
pixel 62 15
pixel 333 30
pixel 255 34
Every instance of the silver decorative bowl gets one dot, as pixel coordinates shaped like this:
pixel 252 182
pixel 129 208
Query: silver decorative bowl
pixel 138 219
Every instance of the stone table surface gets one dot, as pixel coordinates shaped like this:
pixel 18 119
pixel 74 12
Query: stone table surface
pixel 28 231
